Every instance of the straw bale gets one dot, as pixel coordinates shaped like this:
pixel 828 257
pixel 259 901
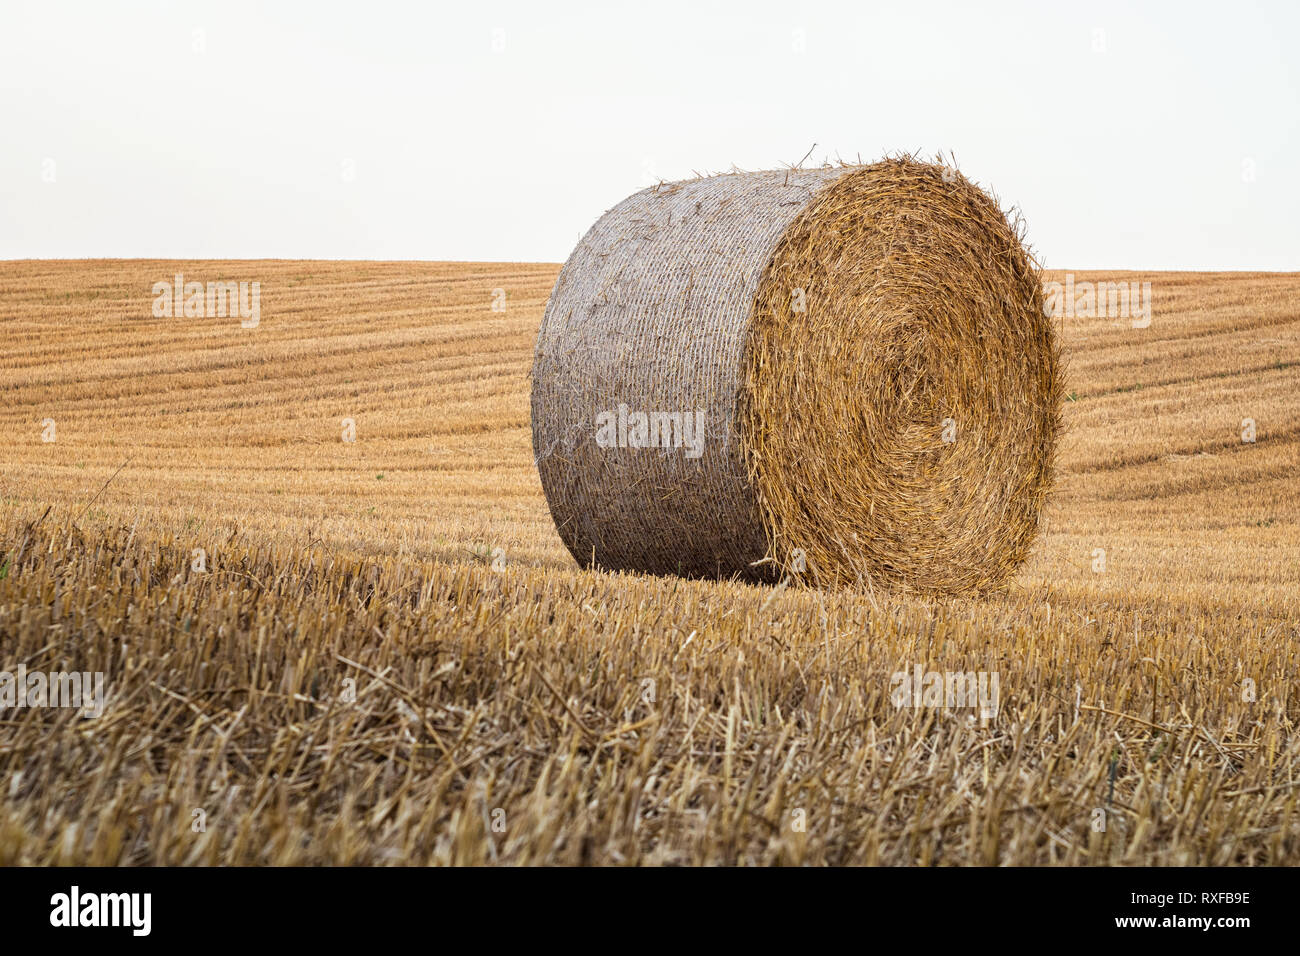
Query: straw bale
pixel 864 350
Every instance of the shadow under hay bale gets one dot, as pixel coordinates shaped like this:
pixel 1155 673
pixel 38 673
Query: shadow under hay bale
pixel 841 374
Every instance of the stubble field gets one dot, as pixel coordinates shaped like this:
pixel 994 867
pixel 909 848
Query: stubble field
pixel 379 651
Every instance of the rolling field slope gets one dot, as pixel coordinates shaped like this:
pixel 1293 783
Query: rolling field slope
pixel 378 651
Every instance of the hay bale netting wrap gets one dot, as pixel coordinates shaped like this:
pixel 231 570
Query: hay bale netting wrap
pixel 866 350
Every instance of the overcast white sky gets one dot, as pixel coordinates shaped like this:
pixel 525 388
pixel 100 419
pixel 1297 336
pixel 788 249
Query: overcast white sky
pixel 1132 135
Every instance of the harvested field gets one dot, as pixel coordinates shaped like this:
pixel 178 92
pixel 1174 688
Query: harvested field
pixel 389 656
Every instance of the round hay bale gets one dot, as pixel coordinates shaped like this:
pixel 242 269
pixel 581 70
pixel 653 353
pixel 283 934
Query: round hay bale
pixel 843 374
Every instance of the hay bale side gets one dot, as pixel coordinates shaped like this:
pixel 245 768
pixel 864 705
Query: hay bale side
pixel 880 386
pixel 651 310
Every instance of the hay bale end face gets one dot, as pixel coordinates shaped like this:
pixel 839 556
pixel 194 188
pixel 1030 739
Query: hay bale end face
pixel 843 374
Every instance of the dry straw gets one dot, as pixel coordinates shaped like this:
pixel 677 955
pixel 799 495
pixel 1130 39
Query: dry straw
pixel 866 350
